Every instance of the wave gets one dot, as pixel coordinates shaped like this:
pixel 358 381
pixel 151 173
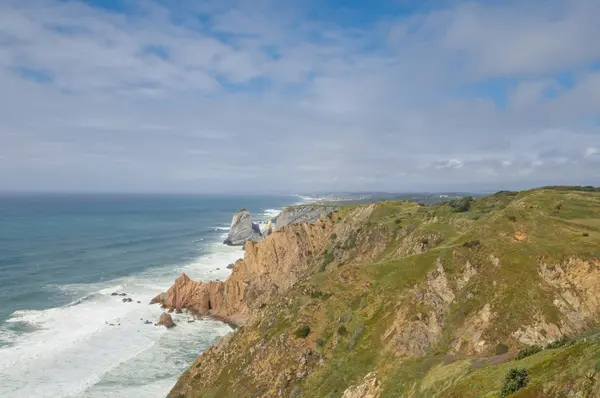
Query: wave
pixel 76 348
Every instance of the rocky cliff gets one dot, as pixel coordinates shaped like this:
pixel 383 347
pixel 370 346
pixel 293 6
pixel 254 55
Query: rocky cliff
pixel 403 300
pixel 268 268
pixel 242 229
pixel 308 214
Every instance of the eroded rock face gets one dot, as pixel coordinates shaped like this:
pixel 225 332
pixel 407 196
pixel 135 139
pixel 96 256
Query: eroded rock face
pixel 269 267
pixel 301 214
pixel 242 229
pixel 166 321
pixel 369 388
pixel 408 336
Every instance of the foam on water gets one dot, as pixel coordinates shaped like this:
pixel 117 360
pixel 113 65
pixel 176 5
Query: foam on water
pixel 100 346
pixel 271 213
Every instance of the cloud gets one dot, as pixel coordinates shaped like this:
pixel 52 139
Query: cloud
pixel 224 96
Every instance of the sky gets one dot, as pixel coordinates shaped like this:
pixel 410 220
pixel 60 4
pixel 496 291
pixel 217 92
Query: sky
pixel 298 96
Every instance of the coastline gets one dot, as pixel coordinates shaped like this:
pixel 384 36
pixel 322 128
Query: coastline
pixel 69 331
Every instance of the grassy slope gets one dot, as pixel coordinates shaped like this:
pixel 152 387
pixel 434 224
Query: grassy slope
pixel 519 229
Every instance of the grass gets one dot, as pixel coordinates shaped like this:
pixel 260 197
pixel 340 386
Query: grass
pixel 348 324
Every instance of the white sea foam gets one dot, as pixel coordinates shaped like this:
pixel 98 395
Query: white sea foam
pixel 271 213
pixel 74 351
pixel 222 228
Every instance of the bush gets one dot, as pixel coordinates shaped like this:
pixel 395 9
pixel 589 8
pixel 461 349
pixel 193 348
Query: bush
pixel 585 234
pixel 501 349
pixel 320 342
pixel 471 244
pixel 398 220
pixel 514 380
pixel 526 352
pixel 302 331
pixel 342 331
pixel 462 204
pixel 333 236
pixel 512 218
pixel 562 342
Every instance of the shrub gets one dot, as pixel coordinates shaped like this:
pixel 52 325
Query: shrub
pixel 501 349
pixel 398 220
pixel 514 380
pixel 562 342
pixel 512 218
pixel 320 342
pixel 327 258
pixel 471 244
pixel 585 234
pixel 342 331
pixel 528 351
pixel 333 236
pixel 462 204
pixel 302 331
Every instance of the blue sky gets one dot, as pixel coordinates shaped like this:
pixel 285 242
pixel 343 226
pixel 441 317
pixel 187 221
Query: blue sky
pixel 288 96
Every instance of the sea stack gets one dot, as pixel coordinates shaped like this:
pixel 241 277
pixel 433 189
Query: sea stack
pixel 242 229
pixel 166 321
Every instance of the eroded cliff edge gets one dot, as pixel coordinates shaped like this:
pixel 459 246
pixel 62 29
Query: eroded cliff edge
pixel 398 299
pixel 268 268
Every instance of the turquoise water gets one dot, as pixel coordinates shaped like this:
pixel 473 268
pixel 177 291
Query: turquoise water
pixel 62 257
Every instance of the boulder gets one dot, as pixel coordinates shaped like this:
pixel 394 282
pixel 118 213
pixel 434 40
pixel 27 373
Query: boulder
pixel 166 321
pixel 242 229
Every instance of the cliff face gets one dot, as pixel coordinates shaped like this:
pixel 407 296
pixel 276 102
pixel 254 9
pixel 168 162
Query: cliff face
pixel 396 299
pixel 269 267
pixel 307 214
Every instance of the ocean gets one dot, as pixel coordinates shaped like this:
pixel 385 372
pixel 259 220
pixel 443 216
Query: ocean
pixel 62 331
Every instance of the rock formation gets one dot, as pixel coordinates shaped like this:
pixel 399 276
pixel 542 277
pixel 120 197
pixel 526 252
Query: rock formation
pixel 166 321
pixel 302 214
pixel 269 267
pixel 242 229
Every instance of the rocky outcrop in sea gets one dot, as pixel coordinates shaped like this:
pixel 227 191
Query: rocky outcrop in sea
pixel 242 229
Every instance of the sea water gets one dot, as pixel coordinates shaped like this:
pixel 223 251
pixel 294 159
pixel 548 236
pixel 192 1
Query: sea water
pixel 62 331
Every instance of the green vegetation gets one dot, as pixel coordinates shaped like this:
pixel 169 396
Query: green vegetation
pixel 528 351
pixel 480 272
pixel 515 380
pixel 302 331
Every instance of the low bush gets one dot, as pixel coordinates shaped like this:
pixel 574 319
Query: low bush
pixel 302 331
pixel 514 380
pixel 526 352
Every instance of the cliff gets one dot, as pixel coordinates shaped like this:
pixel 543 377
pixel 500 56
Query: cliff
pixel 268 268
pixel 308 214
pixel 404 300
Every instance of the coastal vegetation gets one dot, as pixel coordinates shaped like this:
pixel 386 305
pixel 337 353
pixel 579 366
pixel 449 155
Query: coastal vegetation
pixel 493 296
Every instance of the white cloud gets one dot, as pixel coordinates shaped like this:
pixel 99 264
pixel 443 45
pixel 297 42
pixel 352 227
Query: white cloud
pixel 260 97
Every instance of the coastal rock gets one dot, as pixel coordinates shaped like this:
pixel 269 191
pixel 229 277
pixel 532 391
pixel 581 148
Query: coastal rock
pixel 127 300
pixel 242 229
pixel 302 214
pixel 166 321
pixel 269 267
